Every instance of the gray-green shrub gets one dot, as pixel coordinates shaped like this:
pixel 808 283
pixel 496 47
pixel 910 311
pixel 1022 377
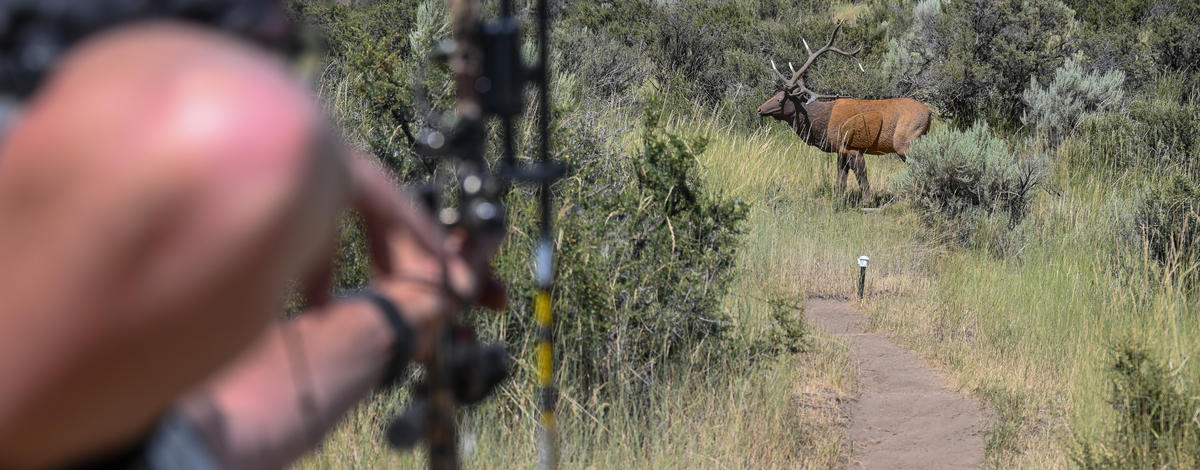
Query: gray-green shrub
pixel 1053 110
pixel 959 179
pixel 911 52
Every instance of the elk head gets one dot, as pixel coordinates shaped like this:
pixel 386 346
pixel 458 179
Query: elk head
pixel 786 105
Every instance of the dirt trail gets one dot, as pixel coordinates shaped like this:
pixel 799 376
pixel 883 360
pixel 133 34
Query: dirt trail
pixel 906 417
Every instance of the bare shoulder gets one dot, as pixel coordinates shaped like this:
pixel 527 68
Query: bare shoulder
pixel 167 84
pixel 161 116
pixel 162 187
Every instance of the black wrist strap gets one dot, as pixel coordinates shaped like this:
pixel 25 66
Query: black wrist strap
pixel 405 338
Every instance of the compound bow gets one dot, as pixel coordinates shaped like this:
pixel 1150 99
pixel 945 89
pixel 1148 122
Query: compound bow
pixel 491 81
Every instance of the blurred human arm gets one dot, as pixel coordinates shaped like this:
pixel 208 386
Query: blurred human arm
pixel 278 400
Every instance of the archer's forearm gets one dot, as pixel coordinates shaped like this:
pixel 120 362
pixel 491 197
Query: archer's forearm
pixel 285 393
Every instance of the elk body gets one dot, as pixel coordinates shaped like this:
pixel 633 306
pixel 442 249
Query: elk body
pixel 849 127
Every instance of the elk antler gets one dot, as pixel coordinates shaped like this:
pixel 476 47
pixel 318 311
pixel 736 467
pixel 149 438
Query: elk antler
pixel 795 86
pixel 778 75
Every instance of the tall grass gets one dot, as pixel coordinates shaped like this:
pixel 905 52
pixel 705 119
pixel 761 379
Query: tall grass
pixel 761 419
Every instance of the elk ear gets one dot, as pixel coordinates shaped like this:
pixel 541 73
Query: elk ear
pixel 793 102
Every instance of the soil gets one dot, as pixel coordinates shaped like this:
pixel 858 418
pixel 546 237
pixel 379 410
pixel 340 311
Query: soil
pixel 906 417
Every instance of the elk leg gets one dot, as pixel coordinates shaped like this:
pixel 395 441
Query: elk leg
pixel 902 152
pixel 860 173
pixel 843 164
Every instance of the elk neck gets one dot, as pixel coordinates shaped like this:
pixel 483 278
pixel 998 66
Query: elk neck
pixel 812 125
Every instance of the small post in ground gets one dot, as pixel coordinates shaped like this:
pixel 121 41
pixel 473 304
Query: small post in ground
pixel 863 261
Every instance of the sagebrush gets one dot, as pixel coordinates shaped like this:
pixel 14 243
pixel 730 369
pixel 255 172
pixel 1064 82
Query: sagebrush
pixel 1053 110
pixel 959 179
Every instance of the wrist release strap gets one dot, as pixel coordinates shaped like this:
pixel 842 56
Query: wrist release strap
pixel 405 341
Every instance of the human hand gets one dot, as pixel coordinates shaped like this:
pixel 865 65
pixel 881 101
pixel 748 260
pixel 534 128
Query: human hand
pixel 429 273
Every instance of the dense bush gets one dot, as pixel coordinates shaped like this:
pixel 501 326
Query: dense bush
pixel 971 59
pixel 961 179
pixel 1156 420
pixel 612 69
pixel 1150 134
pixel 1145 38
pixel 788 333
pixel 1165 224
pixel 375 53
pixel 646 255
pixel 1053 110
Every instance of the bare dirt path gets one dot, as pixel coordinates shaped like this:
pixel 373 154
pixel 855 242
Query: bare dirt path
pixel 906 418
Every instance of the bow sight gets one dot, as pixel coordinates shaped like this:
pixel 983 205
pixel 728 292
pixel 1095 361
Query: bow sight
pixel 490 81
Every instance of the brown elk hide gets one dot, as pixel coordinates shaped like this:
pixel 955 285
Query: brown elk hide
pixel 874 127
pixel 862 130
